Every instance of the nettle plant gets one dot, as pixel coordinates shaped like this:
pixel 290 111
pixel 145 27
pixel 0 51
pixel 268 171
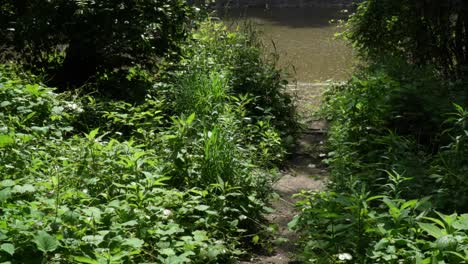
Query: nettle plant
pixel 92 180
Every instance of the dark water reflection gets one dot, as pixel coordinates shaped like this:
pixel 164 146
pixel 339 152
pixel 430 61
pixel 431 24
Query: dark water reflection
pixel 304 39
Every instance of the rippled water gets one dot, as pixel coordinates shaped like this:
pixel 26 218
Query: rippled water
pixel 304 39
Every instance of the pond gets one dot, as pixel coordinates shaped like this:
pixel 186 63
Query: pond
pixel 304 38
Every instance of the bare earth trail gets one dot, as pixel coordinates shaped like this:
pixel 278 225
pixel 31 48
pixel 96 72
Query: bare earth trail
pixel 303 37
pixel 303 171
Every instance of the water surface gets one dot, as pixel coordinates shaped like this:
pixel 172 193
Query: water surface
pixel 304 39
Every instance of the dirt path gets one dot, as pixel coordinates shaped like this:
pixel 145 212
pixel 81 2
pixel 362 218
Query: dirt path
pixel 304 172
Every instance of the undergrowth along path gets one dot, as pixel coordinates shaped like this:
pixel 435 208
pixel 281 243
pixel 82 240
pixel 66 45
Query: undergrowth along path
pixel 303 171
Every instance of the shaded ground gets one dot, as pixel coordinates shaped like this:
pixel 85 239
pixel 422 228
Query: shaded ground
pixel 304 171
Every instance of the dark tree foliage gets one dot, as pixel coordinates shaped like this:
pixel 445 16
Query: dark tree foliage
pixel 421 31
pixel 95 39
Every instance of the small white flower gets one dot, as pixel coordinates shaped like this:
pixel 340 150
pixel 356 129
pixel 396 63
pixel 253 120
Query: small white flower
pixel 167 212
pixel 85 191
pixel 345 256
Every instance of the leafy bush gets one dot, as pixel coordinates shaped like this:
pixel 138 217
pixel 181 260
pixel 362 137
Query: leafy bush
pixel 74 42
pixel 358 228
pixel 391 142
pixel 397 144
pixel 246 73
pixel 425 33
pixel 93 180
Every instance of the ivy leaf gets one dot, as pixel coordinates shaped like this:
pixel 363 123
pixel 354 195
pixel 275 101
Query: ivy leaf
pixel 8 248
pixel 45 242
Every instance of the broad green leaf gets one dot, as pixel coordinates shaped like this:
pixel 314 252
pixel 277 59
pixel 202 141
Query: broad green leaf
pixel 255 239
pixel 29 116
pixel 134 243
pixel 447 242
pixel 459 108
pixel 435 220
pixel 45 242
pixel 33 89
pixel 23 188
pixel 199 235
pixel 462 222
pixel 5 194
pixel 130 223
pixel 40 130
pixel 293 224
pixel 6 140
pixel 86 260
pixel 202 207
pixel 95 240
pixel 93 212
pixel 5 104
pixel 8 248
pixel 92 134
pixel 375 198
pixel 410 203
pixel 449 219
pixel 391 205
pixel 190 119
pixel 432 230
pixel 7 183
pixel 167 252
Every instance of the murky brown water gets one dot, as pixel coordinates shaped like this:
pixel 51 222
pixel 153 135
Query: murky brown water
pixel 304 39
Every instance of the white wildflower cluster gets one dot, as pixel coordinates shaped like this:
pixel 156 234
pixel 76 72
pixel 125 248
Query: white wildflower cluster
pixel 73 107
pixel 345 256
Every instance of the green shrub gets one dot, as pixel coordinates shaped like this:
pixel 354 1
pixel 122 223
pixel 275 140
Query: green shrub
pixel 75 42
pixel 431 33
pixel 93 180
pixel 391 142
pixel 246 72
pixel 357 228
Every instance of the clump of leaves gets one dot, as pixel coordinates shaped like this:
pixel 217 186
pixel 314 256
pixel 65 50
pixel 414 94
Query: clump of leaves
pixel 100 181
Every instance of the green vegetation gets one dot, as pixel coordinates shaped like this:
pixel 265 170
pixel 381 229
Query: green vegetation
pixel 165 155
pixel 397 142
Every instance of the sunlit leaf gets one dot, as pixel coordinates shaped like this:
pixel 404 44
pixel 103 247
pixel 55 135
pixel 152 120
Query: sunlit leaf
pixel 8 248
pixel 133 242
pixel 45 242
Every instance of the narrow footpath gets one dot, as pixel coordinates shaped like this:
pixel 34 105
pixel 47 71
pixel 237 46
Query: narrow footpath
pixel 303 171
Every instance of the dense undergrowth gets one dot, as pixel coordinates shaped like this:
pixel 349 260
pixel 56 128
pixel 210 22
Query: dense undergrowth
pixel 179 177
pixel 397 148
